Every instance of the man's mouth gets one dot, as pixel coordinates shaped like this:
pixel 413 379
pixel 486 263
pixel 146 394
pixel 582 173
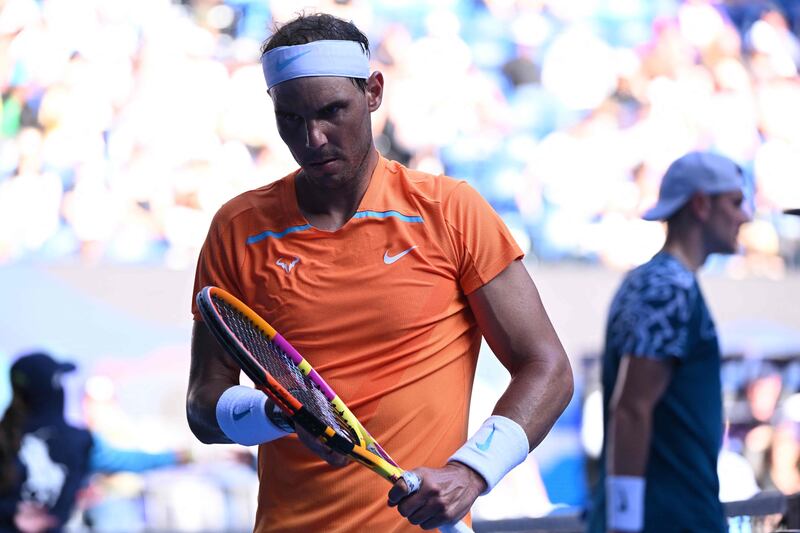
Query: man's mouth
pixel 321 162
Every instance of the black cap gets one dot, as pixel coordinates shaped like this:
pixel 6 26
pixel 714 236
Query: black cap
pixel 38 373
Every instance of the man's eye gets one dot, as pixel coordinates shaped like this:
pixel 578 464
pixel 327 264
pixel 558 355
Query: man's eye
pixel 290 117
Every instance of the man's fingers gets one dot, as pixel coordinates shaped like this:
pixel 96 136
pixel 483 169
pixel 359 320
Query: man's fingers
pixel 408 484
pixel 333 458
pixel 411 506
pixel 397 492
pixel 330 456
pixel 326 453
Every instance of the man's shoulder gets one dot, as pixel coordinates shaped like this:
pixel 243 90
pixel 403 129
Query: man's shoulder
pixel 430 187
pixel 266 199
pixel 661 270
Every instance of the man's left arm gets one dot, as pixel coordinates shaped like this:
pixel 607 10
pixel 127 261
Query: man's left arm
pixel 515 324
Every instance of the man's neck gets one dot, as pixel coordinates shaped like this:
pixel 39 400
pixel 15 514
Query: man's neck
pixel 329 209
pixel 688 250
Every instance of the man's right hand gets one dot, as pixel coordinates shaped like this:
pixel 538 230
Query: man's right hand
pixel 330 456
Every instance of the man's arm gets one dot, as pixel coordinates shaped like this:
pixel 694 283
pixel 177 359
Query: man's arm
pixel 211 373
pixel 641 382
pixel 515 324
pixel 512 318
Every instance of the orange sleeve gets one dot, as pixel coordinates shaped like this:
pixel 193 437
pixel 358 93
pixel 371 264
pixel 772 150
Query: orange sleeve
pixel 220 261
pixel 483 246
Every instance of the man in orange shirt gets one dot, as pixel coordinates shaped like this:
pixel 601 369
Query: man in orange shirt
pixel 384 278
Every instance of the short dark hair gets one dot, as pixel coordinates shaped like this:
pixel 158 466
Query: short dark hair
pixel 317 27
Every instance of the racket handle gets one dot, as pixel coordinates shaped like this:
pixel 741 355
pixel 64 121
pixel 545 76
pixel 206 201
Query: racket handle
pixel 458 527
pixel 413 482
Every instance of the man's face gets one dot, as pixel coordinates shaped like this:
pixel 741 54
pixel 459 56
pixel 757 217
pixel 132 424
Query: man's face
pixel 325 122
pixel 726 215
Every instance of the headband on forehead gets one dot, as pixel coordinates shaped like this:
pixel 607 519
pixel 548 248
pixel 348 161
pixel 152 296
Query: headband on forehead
pixel 319 58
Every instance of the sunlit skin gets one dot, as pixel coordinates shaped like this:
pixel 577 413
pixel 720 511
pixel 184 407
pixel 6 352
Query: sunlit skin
pixel 725 218
pixel 325 123
pixel 707 224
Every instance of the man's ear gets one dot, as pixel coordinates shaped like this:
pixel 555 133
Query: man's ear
pixel 700 206
pixel 374 91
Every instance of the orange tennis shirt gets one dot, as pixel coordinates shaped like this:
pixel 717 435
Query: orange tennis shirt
pixel 378 307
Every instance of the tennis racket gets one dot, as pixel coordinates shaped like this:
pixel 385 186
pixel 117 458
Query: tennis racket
pixel 277 369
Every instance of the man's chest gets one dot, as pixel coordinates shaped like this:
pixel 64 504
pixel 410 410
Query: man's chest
pixel 374 279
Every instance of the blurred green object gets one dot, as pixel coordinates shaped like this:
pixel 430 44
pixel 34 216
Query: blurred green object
pixel 10 116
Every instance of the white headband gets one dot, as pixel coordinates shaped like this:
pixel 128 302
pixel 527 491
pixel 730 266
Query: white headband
pixel 319 58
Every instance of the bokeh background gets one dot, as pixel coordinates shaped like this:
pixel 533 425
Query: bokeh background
pixel 125 124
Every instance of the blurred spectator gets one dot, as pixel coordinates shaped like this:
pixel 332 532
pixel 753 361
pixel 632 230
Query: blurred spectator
pixel 763 415
pixel 784 453
pixel 124 125
pixel 45 459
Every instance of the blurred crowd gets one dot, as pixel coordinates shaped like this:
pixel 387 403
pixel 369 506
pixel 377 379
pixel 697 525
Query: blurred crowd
pixel 762 403
pixel 124 125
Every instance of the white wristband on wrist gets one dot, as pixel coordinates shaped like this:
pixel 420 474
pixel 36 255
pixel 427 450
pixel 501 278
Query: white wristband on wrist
pixel 241 415
pixel 625 503
pixel 498 446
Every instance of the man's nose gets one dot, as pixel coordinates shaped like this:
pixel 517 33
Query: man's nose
pixel 315 137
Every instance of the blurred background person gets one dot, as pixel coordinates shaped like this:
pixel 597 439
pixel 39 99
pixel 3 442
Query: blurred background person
pixel 661 367
pixel 45 460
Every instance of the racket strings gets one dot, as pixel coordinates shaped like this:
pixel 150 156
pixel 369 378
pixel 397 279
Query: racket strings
pixel 282 368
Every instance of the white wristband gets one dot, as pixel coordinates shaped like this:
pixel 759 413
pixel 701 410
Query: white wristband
pixel 499 445
pixel 625 503
pixel 241 415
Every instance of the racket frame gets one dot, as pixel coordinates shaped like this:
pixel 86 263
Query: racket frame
pixel 378 461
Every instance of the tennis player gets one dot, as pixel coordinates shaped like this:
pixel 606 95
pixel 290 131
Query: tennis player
pixel 661 367
pixel 384 278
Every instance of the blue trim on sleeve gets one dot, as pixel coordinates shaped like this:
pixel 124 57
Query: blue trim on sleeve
pixel 276 234
pixel 387 214
pixel 359 214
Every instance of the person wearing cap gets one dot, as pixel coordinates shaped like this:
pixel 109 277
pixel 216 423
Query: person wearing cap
pixel 662 394
pixel 45 460
pixel 384 278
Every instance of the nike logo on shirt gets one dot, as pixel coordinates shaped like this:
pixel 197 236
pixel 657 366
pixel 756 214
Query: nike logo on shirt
pixel 389 259
pixel 280 65
pixel 241 414
pixel 483 446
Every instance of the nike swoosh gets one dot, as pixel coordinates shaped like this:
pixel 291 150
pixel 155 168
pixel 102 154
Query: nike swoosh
pixel 241 414
pixel 483 446
pixel 623 502
pixel 389 259
pixel 280 65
